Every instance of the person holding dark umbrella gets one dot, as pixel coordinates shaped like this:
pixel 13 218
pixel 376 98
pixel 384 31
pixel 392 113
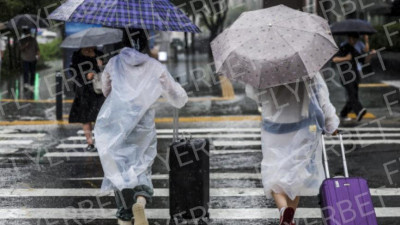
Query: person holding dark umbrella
pixel 87 102
pixel 349 51
pixel 86 65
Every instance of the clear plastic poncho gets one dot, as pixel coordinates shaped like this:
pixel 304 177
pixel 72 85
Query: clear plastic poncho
pixel 125 130
pixel 294 117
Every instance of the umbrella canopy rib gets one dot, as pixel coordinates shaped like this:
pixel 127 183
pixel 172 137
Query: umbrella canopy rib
pixel 141 14
pixel 294 50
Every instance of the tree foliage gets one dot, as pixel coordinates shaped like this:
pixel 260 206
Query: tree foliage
pixel 11 8
pixel 212 13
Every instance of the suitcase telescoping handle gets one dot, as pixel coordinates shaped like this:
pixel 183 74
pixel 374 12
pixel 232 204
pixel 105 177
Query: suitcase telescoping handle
pixel 346 172
pixel 175 125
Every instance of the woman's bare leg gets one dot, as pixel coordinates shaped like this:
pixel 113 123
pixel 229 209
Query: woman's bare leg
pixel 293 203
pixel 138 211
pixel 87 130
pixel 280 200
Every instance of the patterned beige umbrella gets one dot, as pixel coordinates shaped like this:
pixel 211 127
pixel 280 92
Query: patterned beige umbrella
pixel 273 46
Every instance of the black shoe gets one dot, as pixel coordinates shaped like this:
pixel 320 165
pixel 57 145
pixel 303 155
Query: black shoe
pixel 91 148
pixel 361 114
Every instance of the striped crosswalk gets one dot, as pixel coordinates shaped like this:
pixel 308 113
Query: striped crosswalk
pixel 237 196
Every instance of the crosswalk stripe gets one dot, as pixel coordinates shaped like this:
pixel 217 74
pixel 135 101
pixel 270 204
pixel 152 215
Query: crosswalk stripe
pixel 213 176
pixel 70 154
pixel 255 135
pixel 94 154
pixel 328 142
pixel 161 136
pixel 224 152
pixel 8 131
pixel 258 130
pixel 22 135
pixel 71 146
pixel 16 142
pixel 219 214
pixel 8 151
pixel 158 192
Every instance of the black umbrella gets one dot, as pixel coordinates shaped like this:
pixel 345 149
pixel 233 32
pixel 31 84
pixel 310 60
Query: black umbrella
pixel 27 20
pixel 352 26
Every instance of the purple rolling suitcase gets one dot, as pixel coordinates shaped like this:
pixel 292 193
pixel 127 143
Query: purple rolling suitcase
pixel 345 200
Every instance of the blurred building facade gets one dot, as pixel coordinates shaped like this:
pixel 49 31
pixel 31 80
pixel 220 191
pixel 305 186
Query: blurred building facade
pixel 376 11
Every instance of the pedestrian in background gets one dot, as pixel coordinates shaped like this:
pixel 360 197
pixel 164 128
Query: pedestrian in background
pixel 30 54
pixel 86 103
pixel 125 130
pixel 291 140
pixel 349 51
pixel 2 49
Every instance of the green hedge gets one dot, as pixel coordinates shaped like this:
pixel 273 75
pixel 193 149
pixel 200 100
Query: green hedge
pixel 51 50
pixel 380 40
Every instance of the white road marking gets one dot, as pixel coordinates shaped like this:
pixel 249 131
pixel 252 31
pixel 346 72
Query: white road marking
pixel 70 154
pixel 8 131
pixel 328 142
pixel 163 136
pixel 77 138
pixel 394 83
pixel 256 136
pixel 95 154
pixel 16 142
pixel 65 146
pixel 224 152
pixel 257 130
pixel 202 130
pixel 219 214
pixel 18 135
pixel 379 129
pixel 12 159
pixel 213 176
pixel 8 151
pixel 158 192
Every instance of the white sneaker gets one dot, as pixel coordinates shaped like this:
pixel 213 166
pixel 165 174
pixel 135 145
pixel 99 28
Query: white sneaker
pixel 345 119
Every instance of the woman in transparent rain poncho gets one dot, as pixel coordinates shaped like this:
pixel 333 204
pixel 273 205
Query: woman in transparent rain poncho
pixel 125 129
pixel 294 117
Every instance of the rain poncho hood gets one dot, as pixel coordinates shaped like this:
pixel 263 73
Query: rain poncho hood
pixel 125 129
pixel 294 117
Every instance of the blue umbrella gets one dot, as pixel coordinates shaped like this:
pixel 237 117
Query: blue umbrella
pixel 143 14
pixel 352 26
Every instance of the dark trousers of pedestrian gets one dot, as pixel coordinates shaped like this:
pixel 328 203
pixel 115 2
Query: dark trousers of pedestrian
pixel 29 72
pixel 353 102
pixel 126 198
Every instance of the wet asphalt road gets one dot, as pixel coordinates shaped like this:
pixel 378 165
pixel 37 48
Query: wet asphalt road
pixel 48 178
pixel 51 176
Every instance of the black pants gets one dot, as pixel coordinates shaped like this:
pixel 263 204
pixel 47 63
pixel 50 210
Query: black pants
pixel 353 102
pixel 29 72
